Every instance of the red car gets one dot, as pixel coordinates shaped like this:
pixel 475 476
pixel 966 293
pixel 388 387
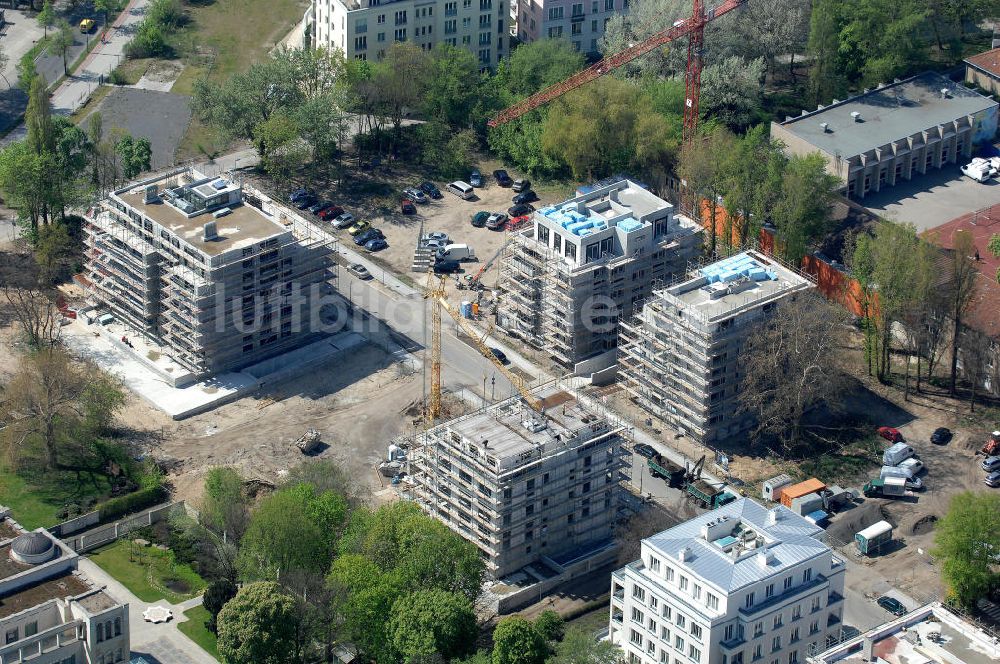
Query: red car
pixel 517 222
pixel 890 434
pixel 331 213
pixel 407 206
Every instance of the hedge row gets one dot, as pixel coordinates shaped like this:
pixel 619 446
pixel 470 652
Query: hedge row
pixel 132 502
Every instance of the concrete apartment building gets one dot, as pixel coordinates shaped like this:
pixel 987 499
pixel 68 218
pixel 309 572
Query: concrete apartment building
pixel 526 487
pixel 679 358
pixel 739 584
pixel 364 29
pixel 894 133
pixel 187 262
pixel 580 23
pixel 587 262
pixel 49 612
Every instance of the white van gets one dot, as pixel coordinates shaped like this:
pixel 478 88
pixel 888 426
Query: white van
pixel 463 190
pixel 456 252
pixel 900 471
pixel 896 454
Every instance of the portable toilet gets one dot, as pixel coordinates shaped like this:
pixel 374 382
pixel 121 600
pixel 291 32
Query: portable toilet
pixel 771 488
pixel 872 538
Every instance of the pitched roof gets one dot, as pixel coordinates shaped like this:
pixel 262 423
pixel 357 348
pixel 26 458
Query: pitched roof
pixel 789 541
pixel 988 61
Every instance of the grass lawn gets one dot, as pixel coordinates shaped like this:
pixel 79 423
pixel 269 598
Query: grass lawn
pixel 151 576
pixel 35 500
pixel 195 630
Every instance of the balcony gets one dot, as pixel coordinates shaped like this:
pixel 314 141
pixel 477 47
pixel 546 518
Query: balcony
pixel 834 598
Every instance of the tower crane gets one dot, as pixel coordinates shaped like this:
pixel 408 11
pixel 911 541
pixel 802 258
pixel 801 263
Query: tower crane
pixel 438 301
pixel 693 27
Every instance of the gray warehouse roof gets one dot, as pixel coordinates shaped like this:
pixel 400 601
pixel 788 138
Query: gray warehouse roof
pixel 889 113
pixel 742 532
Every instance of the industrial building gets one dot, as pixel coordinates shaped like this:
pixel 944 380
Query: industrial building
pixel 50 612
pixel 894 133
pixel 526 487
pixel 580 23
pixel 679 358
pixel 479 26
pixel 739 584
pixel 932 633
pixel 185 261
pixel 983 71
pixel 587 262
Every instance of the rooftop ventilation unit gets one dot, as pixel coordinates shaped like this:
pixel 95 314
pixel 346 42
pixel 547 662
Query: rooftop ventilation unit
pixel 211 233
pixel 222 212
pixel 825 126
pixel 533 425
pixel 856 116
pixel 152 194
pixel 683 554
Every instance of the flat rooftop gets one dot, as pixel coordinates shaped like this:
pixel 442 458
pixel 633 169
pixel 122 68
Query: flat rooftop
pixel 97 602
pixel 621 204
pixel 65 585
pixel 738 533
pixel 729 286
pixel 929 634
pixel 889 113
pixel 8 566
pixel 244 226
pixel 512 433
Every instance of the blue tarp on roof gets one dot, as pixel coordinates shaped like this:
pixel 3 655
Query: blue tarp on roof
pixel 629 224
pixel 818 516
pixel 734 267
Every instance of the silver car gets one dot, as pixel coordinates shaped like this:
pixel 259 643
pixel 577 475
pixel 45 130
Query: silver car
pixel 993 479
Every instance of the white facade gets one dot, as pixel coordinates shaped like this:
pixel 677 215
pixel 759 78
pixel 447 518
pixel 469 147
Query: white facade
pixel 737 585
pixel 580 23
pixel 364 29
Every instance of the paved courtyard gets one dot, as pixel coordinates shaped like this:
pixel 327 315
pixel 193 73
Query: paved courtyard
pixel 162 117
pixel 934 199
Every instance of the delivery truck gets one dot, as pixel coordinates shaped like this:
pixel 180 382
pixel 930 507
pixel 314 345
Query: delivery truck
pixel 890 487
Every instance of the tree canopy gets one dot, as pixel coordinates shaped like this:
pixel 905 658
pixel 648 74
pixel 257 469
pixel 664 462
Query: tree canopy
pixel 967 542
pixel 260 625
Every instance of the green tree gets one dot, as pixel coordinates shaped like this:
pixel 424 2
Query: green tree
pixel 277 138
pixel 61 41
pixel 517 641
pixel 967 543
pixel 150 41
pixel 580 647
pixel 961 290
pixel 752 182
pixel 550 625
pixel 446 152
pixel 366 594
pixel 106 7
pixel 168 14
pixel 701 167
pixel 135 155
pixel 55 252
pixel 217 594
pixel 882 39
pixel 826 80
pixel 802 213
pixel 46 18
pixel 260 624
pixel 731 91
pixel 994 248
pixel 452 86
pixel 224 505
pixel 432 621
pixel 537 65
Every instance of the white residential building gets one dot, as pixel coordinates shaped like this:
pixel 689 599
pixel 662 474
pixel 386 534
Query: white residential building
pixel 736 585
pixel 580 23
pixel 364 29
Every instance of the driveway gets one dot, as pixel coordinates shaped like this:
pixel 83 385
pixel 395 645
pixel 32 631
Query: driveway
pixel 934 199
pixel 162 643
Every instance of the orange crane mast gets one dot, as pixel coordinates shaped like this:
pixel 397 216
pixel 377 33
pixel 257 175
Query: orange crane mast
pixel 693 27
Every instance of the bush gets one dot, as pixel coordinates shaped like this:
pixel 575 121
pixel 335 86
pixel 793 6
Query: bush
pixel 167 14
pixel 149 42
pixel 133 502
pixel 117 77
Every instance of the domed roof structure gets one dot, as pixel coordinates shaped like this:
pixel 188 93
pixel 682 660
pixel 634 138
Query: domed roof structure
pixel 32 548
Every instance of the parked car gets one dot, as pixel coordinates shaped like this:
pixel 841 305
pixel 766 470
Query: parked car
pixel 296 194
pixel 437 235
pixel 416 196
pixel 642 449
pixel 359 227
pixel 496 221
pixel 892 605
pixel 991 463
pixel 993 479
pixel 87 24
pixel 331 213
pixel 378 244
pixel 500 355
pixel 305 202
pixel 520 209
pixel 360 271
pixel 406 206
pixel 345 220
pixel 941 436
pixel 476 178
pixel 502 178
pixel 447 267
pixel 431 190
pixel 516 222
pixel 434 245
pixel 912 465
pixel 891 434
pixel 371 234
pixel 525 197
pixel 316 208
pixel 521 185
pixel 479 218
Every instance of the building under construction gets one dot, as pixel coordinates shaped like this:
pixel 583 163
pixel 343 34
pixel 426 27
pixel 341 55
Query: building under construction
pixel 182 259
pixel 680 357
pixel 586 262
pixel 526 486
